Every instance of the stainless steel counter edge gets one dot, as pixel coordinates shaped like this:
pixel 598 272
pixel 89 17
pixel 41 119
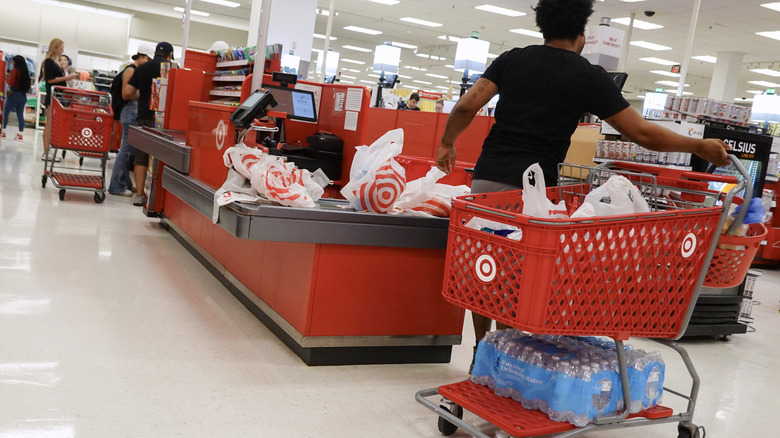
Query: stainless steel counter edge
pixel 318 341
pixel 310 225
pixel 169 147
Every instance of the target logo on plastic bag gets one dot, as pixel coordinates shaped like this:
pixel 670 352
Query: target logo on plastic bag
pixel 486 268
pixel 689 245
pixel 86 133
pixel 380 194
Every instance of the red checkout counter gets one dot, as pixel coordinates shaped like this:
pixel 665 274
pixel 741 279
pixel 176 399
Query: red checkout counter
pixel 337 286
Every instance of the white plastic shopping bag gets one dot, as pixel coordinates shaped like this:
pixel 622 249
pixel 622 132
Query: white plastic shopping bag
pixel 617 196
pixel 427 197
pixel 535 202
pixel 376 180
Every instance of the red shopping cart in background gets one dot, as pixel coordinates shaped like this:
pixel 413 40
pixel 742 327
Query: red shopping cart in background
pixel 615 276
pixel 81 121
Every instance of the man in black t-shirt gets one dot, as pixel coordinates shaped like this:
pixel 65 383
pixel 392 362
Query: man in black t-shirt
pixel 139 88
pixel 544 91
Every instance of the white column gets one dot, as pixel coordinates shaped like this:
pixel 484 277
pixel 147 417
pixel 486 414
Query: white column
pixel 327 39
pixel 261 35
pixel 689 47
pixel 725 78
pixel 254 22
pixel 186 25
pixel 626 42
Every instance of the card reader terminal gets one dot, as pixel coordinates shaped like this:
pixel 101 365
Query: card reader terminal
pixel 253 107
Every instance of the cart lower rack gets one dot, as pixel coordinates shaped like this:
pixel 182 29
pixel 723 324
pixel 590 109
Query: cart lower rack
pixel 615 276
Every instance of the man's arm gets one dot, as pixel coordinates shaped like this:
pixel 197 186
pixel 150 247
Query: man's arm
pixel 129 92
pixel 460 117
pixel 657 138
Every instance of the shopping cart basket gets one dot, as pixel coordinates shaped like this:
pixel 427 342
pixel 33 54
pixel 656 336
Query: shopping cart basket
pixel 81 121
pixel 617 276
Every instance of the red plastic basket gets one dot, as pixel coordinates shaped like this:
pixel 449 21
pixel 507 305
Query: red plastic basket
pixel 614 276
pixel 417 167
pixel 729 266
pixel 81 127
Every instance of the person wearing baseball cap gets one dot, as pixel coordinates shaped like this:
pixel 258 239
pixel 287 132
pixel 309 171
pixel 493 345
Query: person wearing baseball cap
pixel 144 50
pixel 139 88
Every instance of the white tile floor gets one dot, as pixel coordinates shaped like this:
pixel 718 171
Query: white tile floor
pixel 109 328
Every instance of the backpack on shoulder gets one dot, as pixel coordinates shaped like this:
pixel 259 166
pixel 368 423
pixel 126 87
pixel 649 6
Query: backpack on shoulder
pixel 117 102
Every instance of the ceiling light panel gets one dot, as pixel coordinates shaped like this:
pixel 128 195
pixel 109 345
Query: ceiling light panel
pixel 356 48
pixel 658 61
pixel 226 3
pixel 526 32
pixel 670 83
pixel 192 11
pixel 754 92
pixel 352 61
pixel 403 45
pixel 421 22
pixel 764 84
pixel 436 76
pixel 422 82
pixel 639 24
pixel 499 10
pixel 363 30
pixel 775 35
pixel 666 73
pixel 386 2
pixel 706 58
pixel 348 77
pixel 649 45
pixel 775 6
pixel 322 37
pixel 766 71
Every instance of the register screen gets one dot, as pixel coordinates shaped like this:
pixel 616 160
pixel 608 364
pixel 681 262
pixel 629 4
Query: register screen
pixel 298 104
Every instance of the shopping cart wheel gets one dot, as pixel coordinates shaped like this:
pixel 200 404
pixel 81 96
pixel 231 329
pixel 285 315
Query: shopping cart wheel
pixel 690 430
pixel 62 194
pixel 445 427
pixel 43 181
pixel 100 197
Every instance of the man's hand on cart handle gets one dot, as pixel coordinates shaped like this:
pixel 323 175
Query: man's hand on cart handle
pixel 445 157
pixel 714 150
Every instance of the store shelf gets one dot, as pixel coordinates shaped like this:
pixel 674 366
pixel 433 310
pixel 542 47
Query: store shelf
pixel 232 63
pixel 229 78
pixel 668 166
pixel 225 93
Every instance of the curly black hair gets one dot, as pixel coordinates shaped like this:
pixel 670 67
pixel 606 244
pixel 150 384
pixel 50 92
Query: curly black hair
pixel 562 19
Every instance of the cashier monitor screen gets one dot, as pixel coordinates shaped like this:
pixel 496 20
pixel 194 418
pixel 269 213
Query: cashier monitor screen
pixel 298 104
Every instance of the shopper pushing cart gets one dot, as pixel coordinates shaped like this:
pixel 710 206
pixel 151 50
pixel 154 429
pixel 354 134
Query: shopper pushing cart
pixel 81 121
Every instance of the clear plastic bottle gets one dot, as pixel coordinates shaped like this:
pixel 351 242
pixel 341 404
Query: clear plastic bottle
pixel 603 388
pixel 564 368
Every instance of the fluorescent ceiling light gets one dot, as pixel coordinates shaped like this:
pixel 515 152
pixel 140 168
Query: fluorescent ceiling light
pixel 404 76
pixel 346 82
pixel 685 93
pixel 411 67
pixel 325 12
pixel 411 86
pixel 351 69
pixel 386 2
pixel 442 88
pixel 773 6
pixel 632 1
pixel 526 32
pixel 363 30
pixel 373 75
pixel 454 39
pixel 764 84
pixel 666 73
pixel 639 24
pixel 367 82
pixel 192 11
pixel 403 45
pixel 359 49
pixel 766 71
pixel 742 99
pixel 223 3
pixel 352 61
pixel 775 35
pixel 706 58
pixel 754 92
pixel 348 77
pixel 640 96
pixel 498 10
pixel 436 76
pixel 421 22
pixel 449 66
pixel 670 83
pixel 322 37
pixel 422 82
pixel 648 45
pixel 423 55
pixel 456 82
pixel 86 8
pixel 658 61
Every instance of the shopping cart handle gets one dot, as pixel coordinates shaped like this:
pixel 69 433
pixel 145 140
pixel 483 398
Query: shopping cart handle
pixel 674 173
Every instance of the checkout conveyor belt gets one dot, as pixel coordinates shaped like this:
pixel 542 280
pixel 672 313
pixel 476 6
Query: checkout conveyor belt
pixel 167 145
pixel 332 222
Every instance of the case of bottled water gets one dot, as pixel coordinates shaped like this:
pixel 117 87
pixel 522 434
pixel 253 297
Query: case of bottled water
pixel 571 379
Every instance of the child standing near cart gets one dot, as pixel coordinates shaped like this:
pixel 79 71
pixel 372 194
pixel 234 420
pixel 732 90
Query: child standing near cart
pixel 545 89
pixel 19 83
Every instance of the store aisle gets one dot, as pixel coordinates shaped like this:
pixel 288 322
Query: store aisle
pixel 109 328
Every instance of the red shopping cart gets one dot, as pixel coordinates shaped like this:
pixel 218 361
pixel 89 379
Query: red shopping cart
pixel 81 121
pixel 616 276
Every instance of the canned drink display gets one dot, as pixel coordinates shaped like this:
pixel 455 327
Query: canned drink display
pixel 673 158
pixel 599 148
pixel 625 147
pixel 662 157
pixel 632 152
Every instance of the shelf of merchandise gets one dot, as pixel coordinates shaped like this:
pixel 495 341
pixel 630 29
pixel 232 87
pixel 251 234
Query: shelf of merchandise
pixel 225 93
pixel 669 166
pixel 229 78
pixel 227 64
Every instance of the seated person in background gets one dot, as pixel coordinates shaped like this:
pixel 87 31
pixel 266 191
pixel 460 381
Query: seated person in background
pixel 411 104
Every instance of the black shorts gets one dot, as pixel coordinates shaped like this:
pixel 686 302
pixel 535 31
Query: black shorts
pixel 141 158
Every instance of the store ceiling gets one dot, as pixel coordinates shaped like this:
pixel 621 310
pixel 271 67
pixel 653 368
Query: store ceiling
pixel 723 26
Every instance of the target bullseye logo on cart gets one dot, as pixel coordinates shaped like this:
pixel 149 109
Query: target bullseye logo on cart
pixel 486 268
pixel 221 134
pixel 86 133
pixel 688 245
pixel 98 119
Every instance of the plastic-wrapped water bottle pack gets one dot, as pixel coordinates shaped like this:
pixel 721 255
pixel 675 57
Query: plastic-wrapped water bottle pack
pixel 571 379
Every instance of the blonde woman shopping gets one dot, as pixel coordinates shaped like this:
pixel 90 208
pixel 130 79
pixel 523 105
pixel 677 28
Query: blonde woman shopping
pixel 52 73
